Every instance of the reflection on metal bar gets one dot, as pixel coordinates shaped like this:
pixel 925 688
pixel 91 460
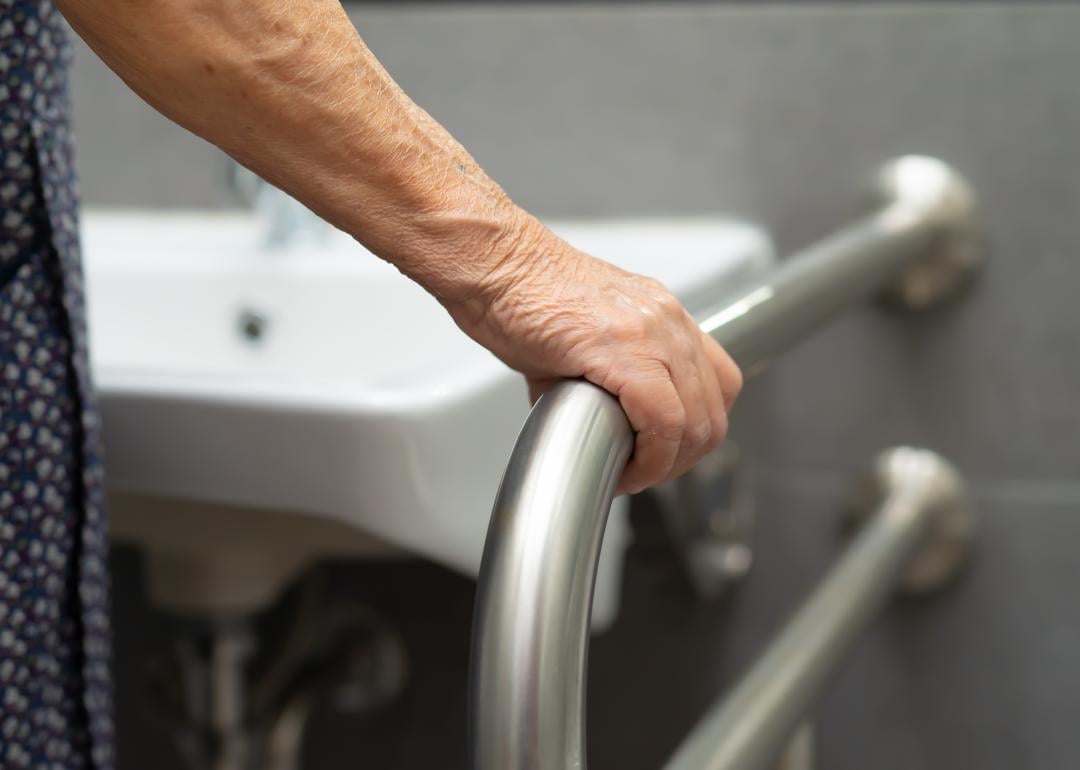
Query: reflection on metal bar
pixel 530 635
pixel 919 520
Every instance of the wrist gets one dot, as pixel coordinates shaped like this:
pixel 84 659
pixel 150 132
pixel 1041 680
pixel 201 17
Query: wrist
pixel 468 256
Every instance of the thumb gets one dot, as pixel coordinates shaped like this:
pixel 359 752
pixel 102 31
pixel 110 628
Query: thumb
pixel 538 386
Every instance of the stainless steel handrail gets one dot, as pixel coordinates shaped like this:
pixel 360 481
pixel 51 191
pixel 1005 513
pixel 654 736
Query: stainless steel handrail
pixel 919 525
pixel 530 635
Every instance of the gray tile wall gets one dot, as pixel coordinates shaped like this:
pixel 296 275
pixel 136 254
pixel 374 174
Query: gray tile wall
pixel 778 113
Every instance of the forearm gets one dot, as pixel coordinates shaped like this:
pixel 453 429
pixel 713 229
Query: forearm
pixel 289 89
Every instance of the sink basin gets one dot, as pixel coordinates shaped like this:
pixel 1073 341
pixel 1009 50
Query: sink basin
pixel 316 380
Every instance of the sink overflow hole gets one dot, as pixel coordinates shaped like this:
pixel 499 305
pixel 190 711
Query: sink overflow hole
pixel 252 325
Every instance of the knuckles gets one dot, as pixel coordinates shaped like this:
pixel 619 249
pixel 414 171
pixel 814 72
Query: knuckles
pixel 671 424
pixel 697 436
pixel 717 434
pixel 630 327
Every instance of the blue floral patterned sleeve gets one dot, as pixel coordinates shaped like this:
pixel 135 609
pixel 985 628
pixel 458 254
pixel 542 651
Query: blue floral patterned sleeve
pixel 55 691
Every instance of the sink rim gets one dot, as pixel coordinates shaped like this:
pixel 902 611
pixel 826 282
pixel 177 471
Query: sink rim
pixel 117 237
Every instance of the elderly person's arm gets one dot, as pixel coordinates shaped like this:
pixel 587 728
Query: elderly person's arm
pixel 289 89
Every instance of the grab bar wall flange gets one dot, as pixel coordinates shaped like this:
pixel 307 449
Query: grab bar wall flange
pixel 949 528
pixel 914 507
pixel 953 260
pixel 530 632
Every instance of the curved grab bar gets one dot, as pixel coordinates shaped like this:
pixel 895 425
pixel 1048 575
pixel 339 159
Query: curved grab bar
pixel 531 628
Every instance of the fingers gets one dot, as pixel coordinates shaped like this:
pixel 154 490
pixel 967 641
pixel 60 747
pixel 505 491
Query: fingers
pixel 678 410
pixel 712 423
pixel 729 376
pixel 657 415
pixel 719 402
pixel 632 337
pixel 699 391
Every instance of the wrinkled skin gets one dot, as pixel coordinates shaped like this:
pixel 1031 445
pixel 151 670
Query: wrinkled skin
pixel 554 312
pixel 288 89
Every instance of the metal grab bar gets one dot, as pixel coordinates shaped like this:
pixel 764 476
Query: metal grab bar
pixel 530 634
pixel 919 522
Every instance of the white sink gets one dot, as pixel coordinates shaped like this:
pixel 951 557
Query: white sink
pixel 319 381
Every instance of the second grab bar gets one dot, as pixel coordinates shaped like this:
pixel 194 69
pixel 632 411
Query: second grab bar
pixel 917 526
pixel 530 633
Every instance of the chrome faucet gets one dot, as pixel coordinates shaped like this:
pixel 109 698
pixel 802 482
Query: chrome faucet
pixel 286 221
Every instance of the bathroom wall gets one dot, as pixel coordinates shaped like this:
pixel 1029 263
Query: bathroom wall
pixel 777 113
